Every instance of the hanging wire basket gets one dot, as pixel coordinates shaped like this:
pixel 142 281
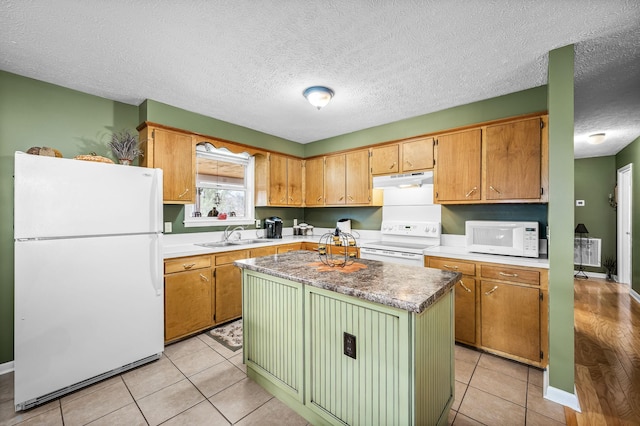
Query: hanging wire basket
pixel 337 249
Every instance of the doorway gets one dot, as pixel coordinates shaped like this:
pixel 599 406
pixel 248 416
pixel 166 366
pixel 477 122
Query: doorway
pixel 625 175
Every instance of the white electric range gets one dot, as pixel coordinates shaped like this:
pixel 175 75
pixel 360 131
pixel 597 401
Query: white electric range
pixel 403 242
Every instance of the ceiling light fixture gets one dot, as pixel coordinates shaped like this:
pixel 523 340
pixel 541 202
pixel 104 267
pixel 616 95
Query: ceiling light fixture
pixel 596 139
pixel 318 96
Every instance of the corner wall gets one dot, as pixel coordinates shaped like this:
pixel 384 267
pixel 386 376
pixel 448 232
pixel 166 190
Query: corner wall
pixel 595 179
pixel 561 178
pixel 630 155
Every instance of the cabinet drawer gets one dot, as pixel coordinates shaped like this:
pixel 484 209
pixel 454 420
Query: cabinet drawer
pixel 186 264
pixel 232 256
pixel 263 251
pixel 517 275
pixel 464 268
pixel 289 247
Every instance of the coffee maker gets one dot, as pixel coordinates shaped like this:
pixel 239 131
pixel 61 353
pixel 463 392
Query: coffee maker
pixel 273 227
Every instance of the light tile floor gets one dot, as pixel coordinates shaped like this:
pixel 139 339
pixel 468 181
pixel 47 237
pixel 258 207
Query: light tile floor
pixel 200 382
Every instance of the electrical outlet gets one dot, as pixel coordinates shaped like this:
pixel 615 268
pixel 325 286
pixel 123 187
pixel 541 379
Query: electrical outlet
pixel 168 227
pixel 258 224
pixel 349 345
pixel 579 203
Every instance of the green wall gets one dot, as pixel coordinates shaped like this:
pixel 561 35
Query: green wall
pixel 453 217
pixel 524 102
pixel 595 179
pixel 361 217
pixel 171 116
pixel 561 226
pixel 34 113
pixel 631 155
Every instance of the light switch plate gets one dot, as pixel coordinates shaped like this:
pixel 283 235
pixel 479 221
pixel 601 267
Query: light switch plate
pixel 168 227
pixel 258 223
pixel 579 203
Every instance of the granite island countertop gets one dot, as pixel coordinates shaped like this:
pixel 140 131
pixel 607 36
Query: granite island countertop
pixel 410 288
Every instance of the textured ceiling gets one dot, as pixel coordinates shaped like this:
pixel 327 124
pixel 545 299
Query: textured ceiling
pixel 247 62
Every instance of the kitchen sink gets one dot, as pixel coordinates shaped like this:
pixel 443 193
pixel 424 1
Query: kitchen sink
pixel 254 241
pixel 232 243
pixel 216 244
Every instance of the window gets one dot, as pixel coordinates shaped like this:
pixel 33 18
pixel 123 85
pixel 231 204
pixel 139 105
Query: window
pixel 224 186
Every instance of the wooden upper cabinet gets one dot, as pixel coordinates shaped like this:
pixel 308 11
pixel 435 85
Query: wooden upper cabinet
pixel 175 154
pixel 457 171
pixel 314 181
pixel 513 166
pixel 277 179
pixel 507 162
pixel 294 182
pixel 385 160
pixel 358 188
pixel 335 180
pixel 417 154
pixel 404 157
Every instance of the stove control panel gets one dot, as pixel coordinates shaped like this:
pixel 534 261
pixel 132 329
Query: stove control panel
pixel 413 229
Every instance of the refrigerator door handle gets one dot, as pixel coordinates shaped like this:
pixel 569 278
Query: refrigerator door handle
pixel 157 205
pixel 156 264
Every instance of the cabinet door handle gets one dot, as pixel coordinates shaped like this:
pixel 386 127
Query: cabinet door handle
pixel 474 189
pixel 488 293
pixel 319 198
pixel 450 267
pixel 204 278
pixel 492 188
pixel 341 198
pixel 409 163
pixel 350 197
pixel 467 289
pixel 282 200
pixel 392 165
pixel 508 275
pixel 188 265
pixel 184 193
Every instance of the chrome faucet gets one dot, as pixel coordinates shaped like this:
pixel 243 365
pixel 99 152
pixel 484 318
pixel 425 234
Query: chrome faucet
pixel 228 234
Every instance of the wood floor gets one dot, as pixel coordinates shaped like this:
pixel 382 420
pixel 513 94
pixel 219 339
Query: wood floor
pixel 607 354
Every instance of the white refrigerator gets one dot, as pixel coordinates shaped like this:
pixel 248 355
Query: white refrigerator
pixel 88 273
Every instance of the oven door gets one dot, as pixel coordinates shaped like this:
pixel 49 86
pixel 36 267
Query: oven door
pixel 392 256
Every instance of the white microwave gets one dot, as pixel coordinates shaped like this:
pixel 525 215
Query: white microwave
pixel 506 238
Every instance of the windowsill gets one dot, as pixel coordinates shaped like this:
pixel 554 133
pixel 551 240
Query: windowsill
pixel 212 221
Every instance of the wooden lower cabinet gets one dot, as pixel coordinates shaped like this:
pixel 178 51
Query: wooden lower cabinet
pixel 284 248
pixel 202 291
pixel 465 294
pixel 510 319
pixel 188 286
pixel 228 295
pixel 502 309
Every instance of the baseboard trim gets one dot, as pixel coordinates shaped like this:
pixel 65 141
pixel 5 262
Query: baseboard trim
pixel 6 367
pixel 634 294
pixel 558 395
pixel 592 274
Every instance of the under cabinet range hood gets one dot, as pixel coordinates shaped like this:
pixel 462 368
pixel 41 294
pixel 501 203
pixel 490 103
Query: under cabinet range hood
pixel 403 180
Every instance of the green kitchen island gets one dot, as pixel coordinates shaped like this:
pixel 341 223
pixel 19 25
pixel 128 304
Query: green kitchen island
pixel 368 344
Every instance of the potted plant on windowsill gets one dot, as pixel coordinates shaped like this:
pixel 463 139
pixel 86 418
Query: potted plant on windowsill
pixel 125 147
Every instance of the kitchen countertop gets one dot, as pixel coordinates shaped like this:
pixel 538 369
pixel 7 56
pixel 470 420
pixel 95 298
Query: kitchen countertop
pixel 461 253
pixel 193 249
pixel 180 245
pixel 410 288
